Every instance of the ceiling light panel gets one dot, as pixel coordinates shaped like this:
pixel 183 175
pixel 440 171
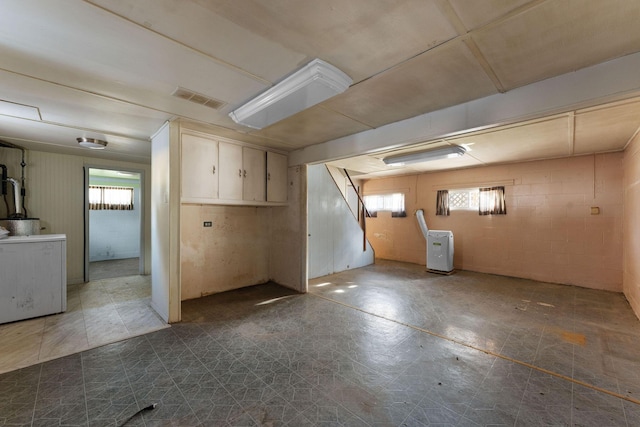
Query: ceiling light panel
pixel 448 152
pixel 312 84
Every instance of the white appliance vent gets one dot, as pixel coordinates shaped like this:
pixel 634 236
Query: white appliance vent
pixel 198 98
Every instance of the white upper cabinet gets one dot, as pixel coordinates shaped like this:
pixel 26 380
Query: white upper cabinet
pixel 276 177
pixel 254 174
pixel 230 171
pixel 226 172
pixel 199 167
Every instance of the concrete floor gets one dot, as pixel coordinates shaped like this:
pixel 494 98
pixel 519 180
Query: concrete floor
pixel 386 345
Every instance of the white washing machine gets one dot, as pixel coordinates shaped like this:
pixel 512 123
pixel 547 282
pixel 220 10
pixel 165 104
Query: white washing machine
pixel 440 250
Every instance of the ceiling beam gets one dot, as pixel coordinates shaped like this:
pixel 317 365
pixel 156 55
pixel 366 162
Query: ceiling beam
pixel 606 82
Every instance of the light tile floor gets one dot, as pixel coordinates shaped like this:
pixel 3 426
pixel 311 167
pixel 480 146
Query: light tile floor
pixel 111 268
pixel 98 313
pixel 386 345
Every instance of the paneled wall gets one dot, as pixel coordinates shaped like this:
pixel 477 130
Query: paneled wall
pixel 288 230
pixel 335 237
pixel 548 233
pixel 55 194
pixel 631 239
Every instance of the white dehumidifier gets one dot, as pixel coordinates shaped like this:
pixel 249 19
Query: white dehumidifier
pixel 440 251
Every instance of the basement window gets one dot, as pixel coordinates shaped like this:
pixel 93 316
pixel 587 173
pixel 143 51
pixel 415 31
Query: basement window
pixel 393 202
pixel 467 199
pixel 103 197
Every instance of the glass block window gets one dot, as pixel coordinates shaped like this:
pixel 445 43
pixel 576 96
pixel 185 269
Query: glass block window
pixel 464 199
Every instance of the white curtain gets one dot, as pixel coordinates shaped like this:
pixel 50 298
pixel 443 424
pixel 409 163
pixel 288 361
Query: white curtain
pixel 110 198
pixel 385 202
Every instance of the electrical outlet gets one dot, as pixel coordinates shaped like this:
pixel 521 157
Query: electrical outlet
pixel 208 224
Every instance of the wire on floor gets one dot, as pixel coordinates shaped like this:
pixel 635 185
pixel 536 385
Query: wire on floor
pixel 147 408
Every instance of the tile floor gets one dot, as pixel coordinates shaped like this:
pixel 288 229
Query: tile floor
pixel 386 345
pixel 108 269
pixel 98 312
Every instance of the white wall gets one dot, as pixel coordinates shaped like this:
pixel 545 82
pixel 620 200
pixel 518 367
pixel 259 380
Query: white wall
pixel 115 234
pixel 335 237
pixel 165 220
pixel 287 235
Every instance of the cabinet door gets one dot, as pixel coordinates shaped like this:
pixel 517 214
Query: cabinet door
pixel 276 177
pixel 254 173
pixel 231 171
pixel 199 167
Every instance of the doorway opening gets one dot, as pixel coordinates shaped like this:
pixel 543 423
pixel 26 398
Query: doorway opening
pixel 113 223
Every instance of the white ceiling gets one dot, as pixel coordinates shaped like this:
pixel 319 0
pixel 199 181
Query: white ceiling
pixel 107 69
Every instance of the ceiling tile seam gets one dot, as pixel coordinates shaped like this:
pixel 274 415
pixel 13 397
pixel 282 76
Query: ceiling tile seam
pixel 238 131
pixel 71 148
pixel 462 30
pixel 482 61
pixel 515 12
pixel 450 13
pixel 459 38
pixel 370 126
pixel 462 37
pixel 186 46
pixel 88 92
pixel 407 60
pixel 62 125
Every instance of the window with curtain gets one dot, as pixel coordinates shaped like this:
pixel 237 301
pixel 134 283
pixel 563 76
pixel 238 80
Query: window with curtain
pixel 103 197
pixel 491 201
pixel 393 202
pixel 442 203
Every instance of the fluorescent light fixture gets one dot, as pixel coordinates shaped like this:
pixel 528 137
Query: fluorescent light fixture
pixel 312 84
pixel 94 144
pixel 447 152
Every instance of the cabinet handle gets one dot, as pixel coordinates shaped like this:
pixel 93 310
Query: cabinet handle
pixel 245 173
pixel 268 176
pixel 214 169
pixel 240 173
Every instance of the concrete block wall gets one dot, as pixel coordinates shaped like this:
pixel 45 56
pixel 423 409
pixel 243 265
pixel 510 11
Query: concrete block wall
pixel 548 234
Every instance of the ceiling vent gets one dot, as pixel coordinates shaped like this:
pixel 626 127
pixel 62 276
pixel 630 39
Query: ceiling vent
pixel 198 98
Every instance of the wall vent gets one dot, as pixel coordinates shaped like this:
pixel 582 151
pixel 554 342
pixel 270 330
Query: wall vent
pixel 198 98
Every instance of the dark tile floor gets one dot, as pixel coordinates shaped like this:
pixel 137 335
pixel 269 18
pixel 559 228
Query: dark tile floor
pixel 387 345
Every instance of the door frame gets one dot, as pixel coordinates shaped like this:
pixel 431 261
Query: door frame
pixel 141 173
